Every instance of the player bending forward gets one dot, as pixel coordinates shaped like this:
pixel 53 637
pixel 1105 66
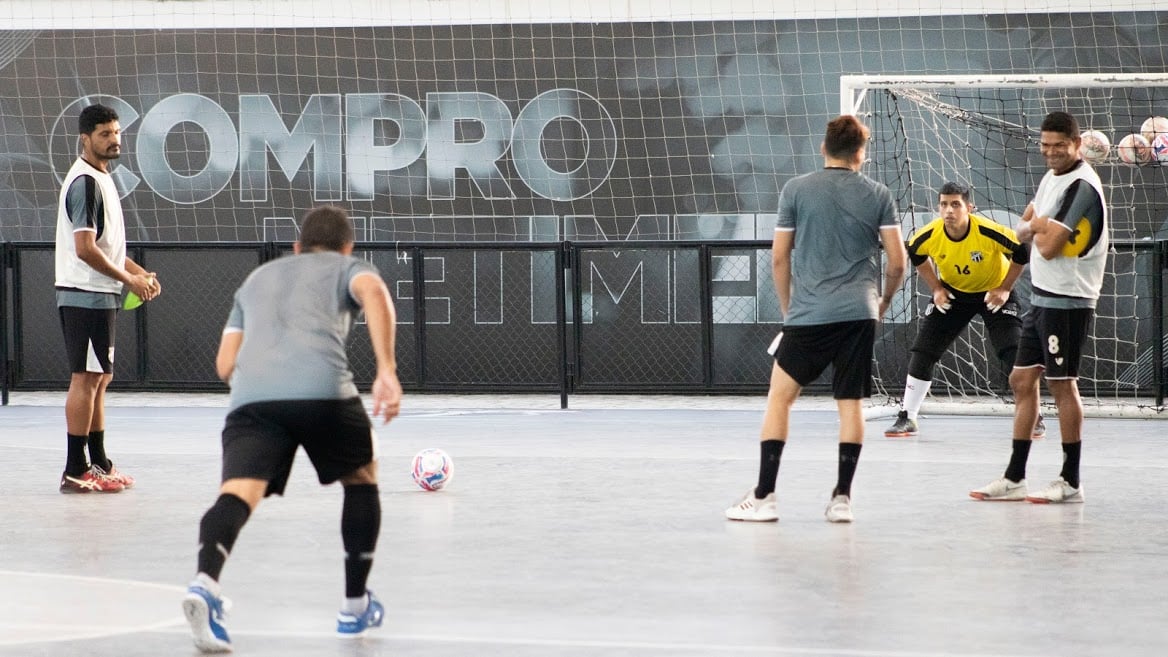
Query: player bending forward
pixel 283 352
pixel 970 264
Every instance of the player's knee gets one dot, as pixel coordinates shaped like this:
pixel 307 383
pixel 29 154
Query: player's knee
pixel 1063 388
pixel 251 491
pixel 87 380
pixel 1024 381
pixel 920 365
pixel 364 475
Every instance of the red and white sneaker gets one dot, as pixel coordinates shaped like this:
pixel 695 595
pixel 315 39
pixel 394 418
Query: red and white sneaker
pixel 92 480
pixel 117 475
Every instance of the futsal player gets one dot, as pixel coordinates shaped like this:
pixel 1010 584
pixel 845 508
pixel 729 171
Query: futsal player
pixel 283 354
pixel 970 265
pixel 91 270
pixel 825 256
pixel 1066 226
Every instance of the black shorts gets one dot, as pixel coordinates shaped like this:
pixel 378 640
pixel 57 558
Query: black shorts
pixel 804 352
pixel 1053 338
pixel 937 330
pixel 89 338
pixel 260 439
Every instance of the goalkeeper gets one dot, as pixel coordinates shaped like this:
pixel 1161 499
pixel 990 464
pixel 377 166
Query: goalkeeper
pixel 970 264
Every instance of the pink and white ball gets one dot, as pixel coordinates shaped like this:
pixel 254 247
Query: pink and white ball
pixel 432 469
pixel 1094 146
pixel 1160 149
pixel 1153 127
pixel 1134 150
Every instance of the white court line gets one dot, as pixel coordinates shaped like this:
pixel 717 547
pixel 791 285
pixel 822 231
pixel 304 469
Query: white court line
pixel 459 412
pixel 70 630
pixel 52 633
pixel 97 580
pixel 644 646
pixel 168 626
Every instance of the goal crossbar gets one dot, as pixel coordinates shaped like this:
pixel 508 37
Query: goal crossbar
pixel 853 88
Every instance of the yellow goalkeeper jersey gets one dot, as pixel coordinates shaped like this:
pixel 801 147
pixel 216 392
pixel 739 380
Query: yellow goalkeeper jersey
pixel 977 262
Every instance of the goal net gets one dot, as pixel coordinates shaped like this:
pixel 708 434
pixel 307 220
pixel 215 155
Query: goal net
pixel 983 131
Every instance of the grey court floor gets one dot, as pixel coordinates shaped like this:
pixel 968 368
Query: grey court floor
pixel 599 532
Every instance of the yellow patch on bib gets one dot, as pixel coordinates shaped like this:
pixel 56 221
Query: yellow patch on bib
pixel 1079 239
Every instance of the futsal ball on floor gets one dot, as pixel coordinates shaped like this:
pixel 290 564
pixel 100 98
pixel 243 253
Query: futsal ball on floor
pixel 432 469
pixel 1160 149
pixel 1094 146
pixel 1154 126
pixel 1134 150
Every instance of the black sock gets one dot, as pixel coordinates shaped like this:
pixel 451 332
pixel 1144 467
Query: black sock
pixel 771 452
pixel 1016 470
pixel 1070 472
pixel 360 525
pixel 849 456
pixel 218 531
pixel 75 462
pixel 97 450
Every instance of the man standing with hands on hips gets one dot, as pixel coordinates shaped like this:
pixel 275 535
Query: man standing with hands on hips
pixel 91 271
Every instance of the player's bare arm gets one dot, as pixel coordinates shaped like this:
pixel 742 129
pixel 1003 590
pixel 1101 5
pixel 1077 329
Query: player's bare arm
pixel 1050 237
pixel 781 247
pixel 942 297
pixel 228 351
pixel 997 297
pixel 135 268
pixel 895 265
pixel 85 243
pixel 381 319
pixel 1024 230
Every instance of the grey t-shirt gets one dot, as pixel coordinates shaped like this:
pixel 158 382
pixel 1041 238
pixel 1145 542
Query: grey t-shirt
pixel 836 215
pixel 295 314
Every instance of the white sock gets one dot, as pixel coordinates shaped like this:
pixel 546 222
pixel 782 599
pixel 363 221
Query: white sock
pixel 204 580
pixel 355 606
pixel 914 395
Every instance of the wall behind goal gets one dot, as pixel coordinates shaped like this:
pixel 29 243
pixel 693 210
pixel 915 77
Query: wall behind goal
pixel 646 130
pixel 544 130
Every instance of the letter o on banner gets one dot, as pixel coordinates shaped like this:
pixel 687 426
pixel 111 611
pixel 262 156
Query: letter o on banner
pixel 222 148
pixel 599 148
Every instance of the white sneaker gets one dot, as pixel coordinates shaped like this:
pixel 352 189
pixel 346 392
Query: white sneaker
pixel 839 509
pixel 1001 490
pixel 1058 492
pixel 752 509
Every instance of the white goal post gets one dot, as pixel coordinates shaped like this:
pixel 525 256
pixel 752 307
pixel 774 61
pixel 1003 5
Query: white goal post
pixel 854 88
pixel 982 130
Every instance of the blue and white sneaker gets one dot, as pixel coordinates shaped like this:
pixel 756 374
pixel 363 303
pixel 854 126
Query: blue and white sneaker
pixel 352 627
pixel 204 611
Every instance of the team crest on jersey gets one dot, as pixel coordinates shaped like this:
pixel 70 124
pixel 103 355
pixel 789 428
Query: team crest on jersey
pixel 976 256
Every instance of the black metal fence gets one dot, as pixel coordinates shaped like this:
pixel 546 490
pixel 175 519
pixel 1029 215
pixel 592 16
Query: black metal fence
pixel 643 316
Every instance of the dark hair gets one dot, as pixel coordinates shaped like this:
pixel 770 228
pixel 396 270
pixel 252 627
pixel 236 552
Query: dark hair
pixel 93 116
pixel 1062 123
pixel 325 228
pixel 951 188
pixel 845 137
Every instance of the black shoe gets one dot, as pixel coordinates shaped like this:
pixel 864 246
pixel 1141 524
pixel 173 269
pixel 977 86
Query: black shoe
pixel 903 427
